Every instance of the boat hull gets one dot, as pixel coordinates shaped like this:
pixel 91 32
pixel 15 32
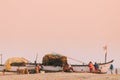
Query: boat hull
pixel 103 67
pixel 52 68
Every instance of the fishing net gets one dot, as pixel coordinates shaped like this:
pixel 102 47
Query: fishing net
pixel 54 60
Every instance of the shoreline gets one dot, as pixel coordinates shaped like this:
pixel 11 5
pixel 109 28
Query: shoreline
pixel 59 76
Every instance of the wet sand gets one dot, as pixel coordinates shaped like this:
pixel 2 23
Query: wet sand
pixel 59 76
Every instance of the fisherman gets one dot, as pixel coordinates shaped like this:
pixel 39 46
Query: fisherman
pixel 37 68
pixel 26 71
pixel 4 71
pixel 111 68
pixel 91 66
pixel 71 68
pixel 18 70
pixel 96 67
pixel 68 68
pixel 65 67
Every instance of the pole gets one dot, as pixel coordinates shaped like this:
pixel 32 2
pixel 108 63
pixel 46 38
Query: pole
pixel 105 49
pixel 36 59
pixel 105 56
pixel 71 58
pixel 1 58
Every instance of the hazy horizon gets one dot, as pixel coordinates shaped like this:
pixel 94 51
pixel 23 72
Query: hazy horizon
pixel 78 29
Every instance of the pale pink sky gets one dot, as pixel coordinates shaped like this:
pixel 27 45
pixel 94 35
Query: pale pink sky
pixel 75 28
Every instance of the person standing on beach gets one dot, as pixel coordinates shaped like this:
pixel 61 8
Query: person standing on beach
pixel 96 67
pixel 4 71
pixel 37 68
pixel 111 68
pixel 91 66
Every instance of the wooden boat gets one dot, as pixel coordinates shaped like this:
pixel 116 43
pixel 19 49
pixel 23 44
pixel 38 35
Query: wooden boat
pixel 54 63
pixel 15 63
pixel 103 68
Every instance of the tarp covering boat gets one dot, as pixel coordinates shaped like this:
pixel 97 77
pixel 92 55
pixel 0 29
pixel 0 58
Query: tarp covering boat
pixel 54 60
pixel 15 61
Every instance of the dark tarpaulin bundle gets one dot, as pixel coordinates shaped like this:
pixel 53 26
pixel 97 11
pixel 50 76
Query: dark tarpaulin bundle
pixel 54 60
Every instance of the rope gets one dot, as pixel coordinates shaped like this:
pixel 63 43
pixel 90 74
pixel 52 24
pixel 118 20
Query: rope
pixel 75 60
pixel 71 58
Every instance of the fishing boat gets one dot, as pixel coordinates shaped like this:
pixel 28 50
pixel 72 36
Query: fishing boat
pixel 15 63
pixel 54 63
pixel 103 67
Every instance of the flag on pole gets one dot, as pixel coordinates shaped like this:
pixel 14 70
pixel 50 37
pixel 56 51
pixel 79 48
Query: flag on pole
pixel 105 48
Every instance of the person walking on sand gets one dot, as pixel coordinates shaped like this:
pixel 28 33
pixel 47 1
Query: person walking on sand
pixel 91 66
pixel 111 68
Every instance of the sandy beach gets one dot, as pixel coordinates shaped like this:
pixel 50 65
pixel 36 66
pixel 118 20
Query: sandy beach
pixel 59 76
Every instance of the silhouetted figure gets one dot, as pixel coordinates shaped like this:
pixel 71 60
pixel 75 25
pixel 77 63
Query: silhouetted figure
pixel 111 68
